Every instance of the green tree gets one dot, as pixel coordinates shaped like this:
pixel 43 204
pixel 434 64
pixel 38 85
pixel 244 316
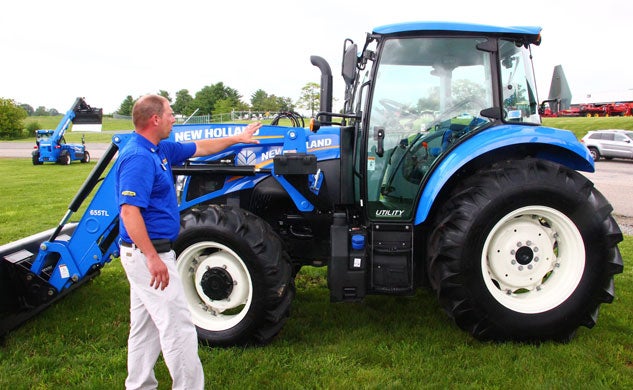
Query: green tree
pixel 207 97
pixel 430 103
pixel 41 111
pixel 223 106
pixel 263 102
pixel 165 94
pixel 184 103
pixel 29 110
pixel 11 119
pixel 465 89
pixel 285 104
pixel 310 96
pixel 259 100
pixel 126 106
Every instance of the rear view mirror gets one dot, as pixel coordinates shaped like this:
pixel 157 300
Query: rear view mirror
pixel 349 64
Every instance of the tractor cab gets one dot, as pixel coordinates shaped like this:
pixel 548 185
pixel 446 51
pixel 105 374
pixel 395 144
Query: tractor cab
pixel 415 92
pixel 422 95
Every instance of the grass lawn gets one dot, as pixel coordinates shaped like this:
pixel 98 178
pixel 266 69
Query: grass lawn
pixel 383 342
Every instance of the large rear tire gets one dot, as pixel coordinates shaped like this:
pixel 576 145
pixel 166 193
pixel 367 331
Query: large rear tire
pixel 524 250
pixel 237 277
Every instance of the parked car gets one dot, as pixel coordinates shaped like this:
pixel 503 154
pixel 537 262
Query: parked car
pixel 609 144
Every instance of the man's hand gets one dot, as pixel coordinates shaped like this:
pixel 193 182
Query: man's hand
pixel 209 146
pixel 159 272
pixel 247 135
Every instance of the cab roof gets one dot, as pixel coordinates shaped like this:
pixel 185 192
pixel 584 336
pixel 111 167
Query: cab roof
pixel 531 33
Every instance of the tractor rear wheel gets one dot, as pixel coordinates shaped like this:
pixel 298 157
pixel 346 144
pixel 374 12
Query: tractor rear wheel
pixel 36 159
pixel 524 250
pixel 237 277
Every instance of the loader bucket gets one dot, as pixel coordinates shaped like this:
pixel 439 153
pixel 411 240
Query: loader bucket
pixel 22 293
pixel 87 118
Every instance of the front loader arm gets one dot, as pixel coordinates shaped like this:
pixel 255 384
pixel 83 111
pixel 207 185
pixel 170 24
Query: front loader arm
pixel 38 270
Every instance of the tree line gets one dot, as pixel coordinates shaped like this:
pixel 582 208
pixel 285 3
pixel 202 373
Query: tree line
pixel 219 98
pixel 212 99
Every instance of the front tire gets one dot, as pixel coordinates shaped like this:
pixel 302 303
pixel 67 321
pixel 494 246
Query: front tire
pixel 64 159
pixel 237 277
pixel 525 251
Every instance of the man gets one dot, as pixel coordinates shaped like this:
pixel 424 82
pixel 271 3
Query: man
pixel 149 222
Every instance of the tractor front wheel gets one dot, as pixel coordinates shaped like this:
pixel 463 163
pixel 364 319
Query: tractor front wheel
pixel 237 277
pixel 64 159
pixel 525 250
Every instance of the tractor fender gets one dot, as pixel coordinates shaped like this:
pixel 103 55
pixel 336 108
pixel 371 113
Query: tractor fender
pixel 560 146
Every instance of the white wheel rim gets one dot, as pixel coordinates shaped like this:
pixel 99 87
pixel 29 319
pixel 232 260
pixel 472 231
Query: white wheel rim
pixel 533 259
pixel 214 315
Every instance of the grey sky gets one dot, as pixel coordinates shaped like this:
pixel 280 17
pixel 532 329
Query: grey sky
pixel 54 51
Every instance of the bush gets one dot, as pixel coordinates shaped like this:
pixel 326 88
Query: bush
pixel 31 127
pixel 11 117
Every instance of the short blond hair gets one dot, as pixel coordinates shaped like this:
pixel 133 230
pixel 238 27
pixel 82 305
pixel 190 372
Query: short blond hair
pixel 145 107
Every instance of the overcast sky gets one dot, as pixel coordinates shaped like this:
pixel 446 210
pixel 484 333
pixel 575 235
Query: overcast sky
pixel 55 51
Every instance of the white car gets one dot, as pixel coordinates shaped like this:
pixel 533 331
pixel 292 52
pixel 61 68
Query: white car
pixel 609 144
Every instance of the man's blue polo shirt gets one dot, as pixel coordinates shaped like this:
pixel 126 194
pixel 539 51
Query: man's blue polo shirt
pixel 144 179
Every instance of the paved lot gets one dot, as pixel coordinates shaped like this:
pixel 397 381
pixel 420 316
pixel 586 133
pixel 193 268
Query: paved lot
pixel 24 149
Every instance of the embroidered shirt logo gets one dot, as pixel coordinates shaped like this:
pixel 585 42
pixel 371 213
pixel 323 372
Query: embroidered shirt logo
pixel 128 193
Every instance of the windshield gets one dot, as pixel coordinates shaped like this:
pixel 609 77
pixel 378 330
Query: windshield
pixel 517 84
pixel 428 92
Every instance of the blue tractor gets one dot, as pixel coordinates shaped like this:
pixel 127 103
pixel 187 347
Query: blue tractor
pixel 436 174
pixel 50 145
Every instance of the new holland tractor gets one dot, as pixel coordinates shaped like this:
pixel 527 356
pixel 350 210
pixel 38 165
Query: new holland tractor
pixel 436 174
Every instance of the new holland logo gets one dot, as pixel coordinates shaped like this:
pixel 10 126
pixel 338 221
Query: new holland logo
pixel 246 157
pixel 389 213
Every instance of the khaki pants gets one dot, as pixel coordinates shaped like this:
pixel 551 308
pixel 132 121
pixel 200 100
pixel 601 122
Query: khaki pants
pixel 159 320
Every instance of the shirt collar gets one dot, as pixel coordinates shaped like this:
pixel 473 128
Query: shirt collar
pixel 145 143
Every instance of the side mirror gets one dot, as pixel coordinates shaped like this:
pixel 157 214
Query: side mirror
pixel 349 63
pixel 492 113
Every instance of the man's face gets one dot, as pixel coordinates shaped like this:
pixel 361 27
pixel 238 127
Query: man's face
pixel 166 122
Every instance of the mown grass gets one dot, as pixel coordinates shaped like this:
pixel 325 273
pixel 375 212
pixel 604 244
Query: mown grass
pixel 580 126
pixel 383 342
